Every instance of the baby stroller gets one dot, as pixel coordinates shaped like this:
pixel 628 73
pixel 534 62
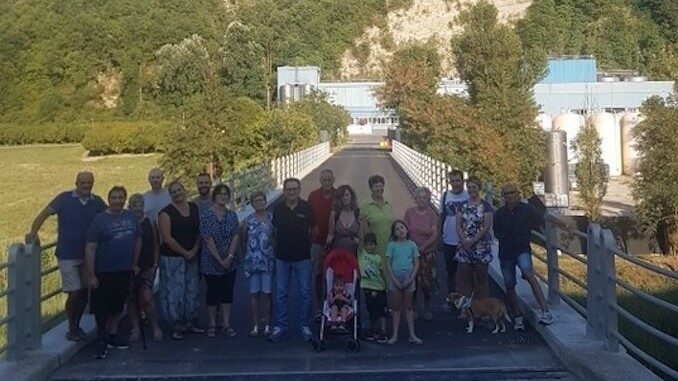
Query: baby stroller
pixel 341 263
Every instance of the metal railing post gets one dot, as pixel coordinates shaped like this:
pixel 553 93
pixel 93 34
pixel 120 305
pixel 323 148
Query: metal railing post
pixel 550 233
pixel 15 303
pixel 595 280
pixel 608 269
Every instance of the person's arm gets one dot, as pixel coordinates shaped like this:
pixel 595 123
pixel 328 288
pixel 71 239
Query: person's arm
pixel 389 269
pixel 242 235
pixel 32 235
pixel 165 227
pixel 330 227
pixel 156 246
pixel 460 231
pixel 232 249
pixel 213 251
pixel 90 258
pixel 137 254
pixel 496 226
pixel 487 225
pixel 415 270
pixel 430 243
pixel 194 250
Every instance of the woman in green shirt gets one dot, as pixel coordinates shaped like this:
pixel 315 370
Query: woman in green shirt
pixel 377 214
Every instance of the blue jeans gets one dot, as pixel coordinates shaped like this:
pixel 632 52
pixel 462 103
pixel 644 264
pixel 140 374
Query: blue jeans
pixel 508 268
pixel 283 275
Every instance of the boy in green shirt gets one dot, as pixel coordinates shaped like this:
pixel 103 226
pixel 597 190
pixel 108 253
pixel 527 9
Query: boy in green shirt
pixel 373 286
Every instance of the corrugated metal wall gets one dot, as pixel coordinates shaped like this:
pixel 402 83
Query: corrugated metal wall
pixel 570 70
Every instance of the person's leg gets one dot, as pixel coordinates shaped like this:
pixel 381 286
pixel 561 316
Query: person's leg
pixel 464 279
pixel 147 302
pixel 302 271
pixel 282 276
pixel 334 313
pixel 266 293
pixel 172 293
pixel 482 281
pixel 396 308
pixel 409 316
pixel 524 262
pixel 226 300
pixel 255 289
pixel 449 253
pixel 211 300
pixel 317 256
pixel 425 282
pixel 508 271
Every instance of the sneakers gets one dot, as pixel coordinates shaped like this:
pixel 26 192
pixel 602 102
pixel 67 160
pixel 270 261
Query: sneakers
pixel 194 328
pixel 276 335
pixel 115 342
pixel 229 332
pixel 518 323
pixel 101 350
pixel 306 333
pixel 267 330
pixel 545 317
pixel 255 331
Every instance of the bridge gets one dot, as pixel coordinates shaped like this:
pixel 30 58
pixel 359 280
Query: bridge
pixel 582 344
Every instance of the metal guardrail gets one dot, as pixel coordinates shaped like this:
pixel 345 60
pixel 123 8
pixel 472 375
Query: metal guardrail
pixel 23 321
pixel 601 310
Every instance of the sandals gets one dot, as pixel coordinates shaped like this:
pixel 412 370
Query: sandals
pixel 415 340
pixel 211 331
pixel 229 332
pixel 255 331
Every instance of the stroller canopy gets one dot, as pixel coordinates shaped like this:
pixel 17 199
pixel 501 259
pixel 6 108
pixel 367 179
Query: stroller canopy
pixel 342 262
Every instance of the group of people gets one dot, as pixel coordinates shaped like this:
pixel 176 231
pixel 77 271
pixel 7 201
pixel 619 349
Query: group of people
pixel 110 255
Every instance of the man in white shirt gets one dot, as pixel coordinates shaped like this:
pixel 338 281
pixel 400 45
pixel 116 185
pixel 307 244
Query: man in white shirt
pixel 450 204
pixel 157 198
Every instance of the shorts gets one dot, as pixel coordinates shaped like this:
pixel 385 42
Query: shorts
pixel 261 281
pixel 110 297
pixel 449 252
pixel 508 268
pixel 402 277
pixel 317 257
pixel 219 288
pixel 72 274
pixel 375 301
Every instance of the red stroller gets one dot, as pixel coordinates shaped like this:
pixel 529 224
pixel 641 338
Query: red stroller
pixel 341 263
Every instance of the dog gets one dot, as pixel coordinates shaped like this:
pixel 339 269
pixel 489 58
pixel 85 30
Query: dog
pixel 491 308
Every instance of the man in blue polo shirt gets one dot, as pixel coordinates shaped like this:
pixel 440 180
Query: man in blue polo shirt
pixel 75 210
pixel 513 225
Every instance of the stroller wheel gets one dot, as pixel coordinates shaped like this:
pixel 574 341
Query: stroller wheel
pixel 353 346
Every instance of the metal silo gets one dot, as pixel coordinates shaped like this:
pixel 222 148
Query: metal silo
pixel 286 93
pixel 628 121
pixel 556 180
pixel 544 121
pixel 610 144
pixel 571 123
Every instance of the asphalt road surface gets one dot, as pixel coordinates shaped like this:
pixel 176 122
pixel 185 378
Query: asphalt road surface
pixel 448 353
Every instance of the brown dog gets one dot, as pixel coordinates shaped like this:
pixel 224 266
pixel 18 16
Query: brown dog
pixel 471 308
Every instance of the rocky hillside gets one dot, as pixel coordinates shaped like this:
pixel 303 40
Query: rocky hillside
pixel 423 20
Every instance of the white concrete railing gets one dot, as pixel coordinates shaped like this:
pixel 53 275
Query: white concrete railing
pixel 601 309
pixel 423 170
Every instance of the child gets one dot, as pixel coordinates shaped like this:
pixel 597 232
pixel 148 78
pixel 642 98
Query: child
pixel 340 301
pixel 374 287
pixel 402 257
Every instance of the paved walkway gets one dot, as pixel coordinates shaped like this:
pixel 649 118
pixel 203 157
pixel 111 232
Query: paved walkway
pixel 448 352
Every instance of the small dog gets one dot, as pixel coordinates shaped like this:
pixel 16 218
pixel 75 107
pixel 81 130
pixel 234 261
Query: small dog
pixel 471 308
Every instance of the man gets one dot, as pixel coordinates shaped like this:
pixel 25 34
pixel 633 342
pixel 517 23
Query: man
pixel 75 210
pixel 113 244
pixel 322 202
pixel 450 203
pixel 293 222
pixel 156 198
pixel 513 223
pixel 204 197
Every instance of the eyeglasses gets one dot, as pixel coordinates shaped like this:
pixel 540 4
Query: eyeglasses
pixel 508 193
pixel 292 189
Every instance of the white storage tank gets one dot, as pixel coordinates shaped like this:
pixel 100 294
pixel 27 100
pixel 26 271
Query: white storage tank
pixel 610 144
pixel 571 123
pixel 544 121
pixel 628 121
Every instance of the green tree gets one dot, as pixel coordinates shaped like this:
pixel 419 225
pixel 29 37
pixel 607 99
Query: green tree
pixel 183 70
pixel 290 130
pixel 242 63
pixel 590 170
pixel 656 187
pixel 329 119
pixel 490 58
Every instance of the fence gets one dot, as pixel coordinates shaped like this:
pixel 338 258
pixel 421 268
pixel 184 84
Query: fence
pixel 28 266
pixel 601 309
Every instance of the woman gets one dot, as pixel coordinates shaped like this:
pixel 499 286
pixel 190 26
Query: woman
pixel 474 222
pixel 377 214
pixel 345 228
pixel 423 224
pixel 259 261
pixel 179 225
pixel 219 229
pixel 141 295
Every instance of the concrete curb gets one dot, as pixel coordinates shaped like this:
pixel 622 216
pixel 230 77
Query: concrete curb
pixel 584 356
pixel 55 351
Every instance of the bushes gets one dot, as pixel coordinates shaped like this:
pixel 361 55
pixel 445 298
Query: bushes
pixel 125 137
pixel 18 134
